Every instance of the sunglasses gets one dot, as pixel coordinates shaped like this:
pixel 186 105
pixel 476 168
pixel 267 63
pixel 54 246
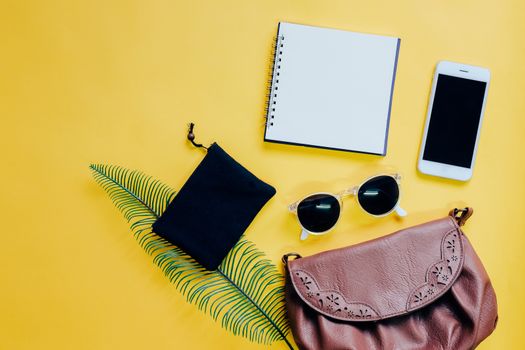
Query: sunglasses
pixel 319 212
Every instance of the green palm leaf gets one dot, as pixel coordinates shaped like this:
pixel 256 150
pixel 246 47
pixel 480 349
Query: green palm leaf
pixel 245 293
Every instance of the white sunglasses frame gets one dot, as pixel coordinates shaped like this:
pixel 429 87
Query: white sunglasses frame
pixel 352 191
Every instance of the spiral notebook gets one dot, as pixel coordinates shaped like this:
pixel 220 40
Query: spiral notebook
pixel 331 89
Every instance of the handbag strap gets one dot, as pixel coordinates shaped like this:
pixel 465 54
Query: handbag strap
pixel 286 256
pixel 461 215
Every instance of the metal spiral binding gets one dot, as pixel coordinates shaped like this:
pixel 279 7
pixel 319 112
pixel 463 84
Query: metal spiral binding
pixel 273 82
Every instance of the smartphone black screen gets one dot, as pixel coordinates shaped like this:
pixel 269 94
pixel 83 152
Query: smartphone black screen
pixel 454 120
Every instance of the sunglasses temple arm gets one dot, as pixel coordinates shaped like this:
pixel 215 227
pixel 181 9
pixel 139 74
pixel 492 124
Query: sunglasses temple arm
pixel 304 234
pixel 400 211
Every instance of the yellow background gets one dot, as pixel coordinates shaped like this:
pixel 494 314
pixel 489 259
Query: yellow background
pixel 117 81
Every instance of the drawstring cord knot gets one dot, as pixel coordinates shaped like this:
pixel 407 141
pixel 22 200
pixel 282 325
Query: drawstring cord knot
pixel 191 137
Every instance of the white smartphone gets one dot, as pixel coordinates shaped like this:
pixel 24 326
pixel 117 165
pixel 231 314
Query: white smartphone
pixel 455 113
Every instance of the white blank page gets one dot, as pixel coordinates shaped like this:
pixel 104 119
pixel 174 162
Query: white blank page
pixel 332 89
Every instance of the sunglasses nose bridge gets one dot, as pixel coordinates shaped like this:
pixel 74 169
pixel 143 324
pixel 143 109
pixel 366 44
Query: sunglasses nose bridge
pixel 352 191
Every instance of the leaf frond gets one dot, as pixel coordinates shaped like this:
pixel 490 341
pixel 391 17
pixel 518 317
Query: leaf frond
pixel 245 294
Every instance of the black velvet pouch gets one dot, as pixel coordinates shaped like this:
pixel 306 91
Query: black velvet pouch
pixel 213 208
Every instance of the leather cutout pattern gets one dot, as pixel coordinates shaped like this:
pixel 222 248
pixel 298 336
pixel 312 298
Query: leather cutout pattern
pixel 438 279
pixel 332 302
pixel 440 275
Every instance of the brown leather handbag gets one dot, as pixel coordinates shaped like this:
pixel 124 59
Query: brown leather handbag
pixel 419 288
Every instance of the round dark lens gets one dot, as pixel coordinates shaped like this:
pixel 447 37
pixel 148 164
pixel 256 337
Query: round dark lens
pixel 379 195
pixel 319 212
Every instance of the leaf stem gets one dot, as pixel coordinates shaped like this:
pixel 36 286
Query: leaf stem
pixel 218 269
pixel 258 308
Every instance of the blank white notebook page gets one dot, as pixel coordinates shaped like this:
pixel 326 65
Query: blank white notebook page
pixel 331 89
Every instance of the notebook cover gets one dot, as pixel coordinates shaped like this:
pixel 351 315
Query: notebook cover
pixel 331 89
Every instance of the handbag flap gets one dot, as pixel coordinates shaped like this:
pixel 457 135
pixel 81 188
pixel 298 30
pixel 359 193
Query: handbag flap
pixel 382 278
